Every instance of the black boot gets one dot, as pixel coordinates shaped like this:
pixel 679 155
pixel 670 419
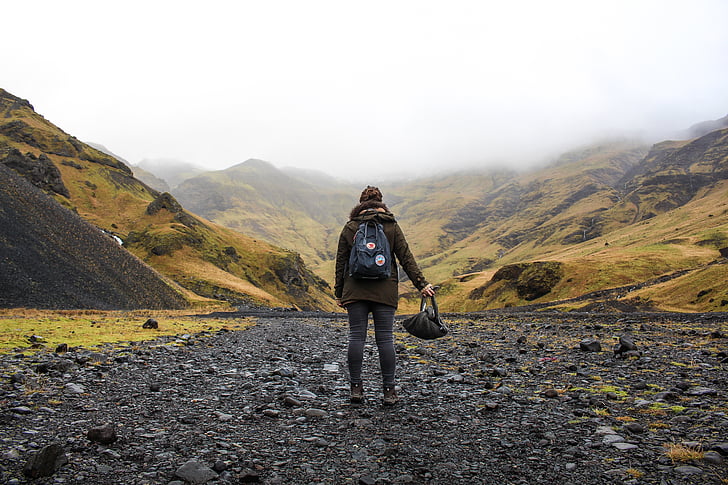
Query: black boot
pixel 390 396
pixel 357 393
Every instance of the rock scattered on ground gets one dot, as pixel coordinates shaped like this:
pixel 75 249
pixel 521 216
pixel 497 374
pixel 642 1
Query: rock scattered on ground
pixel 505 398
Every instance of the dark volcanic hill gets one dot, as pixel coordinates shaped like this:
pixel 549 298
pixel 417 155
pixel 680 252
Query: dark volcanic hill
pixel 51 258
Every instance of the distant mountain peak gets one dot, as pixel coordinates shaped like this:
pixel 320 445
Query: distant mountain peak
pixel 255 163
pixel 705 127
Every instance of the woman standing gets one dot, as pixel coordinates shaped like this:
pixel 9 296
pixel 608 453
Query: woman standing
pixel 361 297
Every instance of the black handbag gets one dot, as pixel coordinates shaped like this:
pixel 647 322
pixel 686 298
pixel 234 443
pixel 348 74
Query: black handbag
pixel 427 324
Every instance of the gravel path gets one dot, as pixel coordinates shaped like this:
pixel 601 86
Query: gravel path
pixel 506 399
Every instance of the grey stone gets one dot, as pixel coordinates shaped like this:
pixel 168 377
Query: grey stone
pixel 11 454
pixel 701 391
pixel 612 438
pixel 713 457
pixel 721 448
pixel 634 428
pixel 73 388
pixel 689 470
pixel 626 345
pixel 285 372
pixel 316 413
pixel 224 417
pixel 590 345
pixel 104 434
pixel 21 410
pixel 249 476
pixel 195 472
pixel 367 480
pixel 292 402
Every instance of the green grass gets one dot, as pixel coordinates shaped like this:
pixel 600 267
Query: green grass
pixel 91 329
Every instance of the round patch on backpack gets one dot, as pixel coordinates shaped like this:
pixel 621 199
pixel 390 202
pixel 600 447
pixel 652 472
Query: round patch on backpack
pixel 379 260
pixel 371 245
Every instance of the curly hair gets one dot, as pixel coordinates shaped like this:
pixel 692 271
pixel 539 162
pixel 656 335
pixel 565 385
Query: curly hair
pixel 371 198
pixel 371 193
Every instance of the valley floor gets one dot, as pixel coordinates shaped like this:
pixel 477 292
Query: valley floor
pixel 505 399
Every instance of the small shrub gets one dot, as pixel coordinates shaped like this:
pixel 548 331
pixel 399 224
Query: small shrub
pixel 601 411
pixel 680 453
pixel 635 473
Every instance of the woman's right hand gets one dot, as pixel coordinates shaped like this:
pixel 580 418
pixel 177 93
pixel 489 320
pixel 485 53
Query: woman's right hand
pixel 428 291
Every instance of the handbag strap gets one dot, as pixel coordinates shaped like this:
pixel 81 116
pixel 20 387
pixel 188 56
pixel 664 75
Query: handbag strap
pixel 423 305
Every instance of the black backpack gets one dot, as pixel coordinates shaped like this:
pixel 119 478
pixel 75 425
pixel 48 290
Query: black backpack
pixel 370 257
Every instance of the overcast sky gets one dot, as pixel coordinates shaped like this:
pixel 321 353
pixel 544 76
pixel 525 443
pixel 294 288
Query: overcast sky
pixel 371 87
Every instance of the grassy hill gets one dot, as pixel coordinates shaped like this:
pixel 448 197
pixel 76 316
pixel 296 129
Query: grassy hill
pixel 208 260
pixel 665 226
pixel 293 211
pixel 612 226
pixel 474 221
pixel 616 214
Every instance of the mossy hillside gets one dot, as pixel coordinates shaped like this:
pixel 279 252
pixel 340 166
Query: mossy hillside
pixel 104 192
pixel 423 207
pixel 463 227
pixel 701 290
pixel 683 239
pixel 608 214
pixel 216 262
pixel 510 217
pixel 262 201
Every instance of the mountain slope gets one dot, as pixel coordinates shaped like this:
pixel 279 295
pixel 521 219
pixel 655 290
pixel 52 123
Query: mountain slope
pixel 172 171
pixel 604 216
pixel 671 217
pixel 204 258
pixel 505 216
pixel 50 258
pixel 258 199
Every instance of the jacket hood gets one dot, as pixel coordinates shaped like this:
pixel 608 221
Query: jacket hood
pixel 372 214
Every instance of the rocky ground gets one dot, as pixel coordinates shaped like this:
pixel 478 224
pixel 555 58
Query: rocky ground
pixel 507 398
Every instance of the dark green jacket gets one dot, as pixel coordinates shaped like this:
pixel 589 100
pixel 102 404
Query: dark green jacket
pixel 349 289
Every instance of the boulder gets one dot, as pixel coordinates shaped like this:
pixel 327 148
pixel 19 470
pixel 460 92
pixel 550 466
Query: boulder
pixel 626 345
pixel 104 434
pixel 45 462
pixel 590 345
pixel 165 200
pixel 39 171
pixel 195 472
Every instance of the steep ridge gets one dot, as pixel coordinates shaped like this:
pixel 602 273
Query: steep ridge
pixel 258 199
pixel 51 258
pixel 510 215
pixel 671 218
pixel 209 261
pixel 672 174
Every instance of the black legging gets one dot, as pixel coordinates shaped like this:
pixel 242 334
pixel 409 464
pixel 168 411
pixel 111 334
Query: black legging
pixel 383 320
